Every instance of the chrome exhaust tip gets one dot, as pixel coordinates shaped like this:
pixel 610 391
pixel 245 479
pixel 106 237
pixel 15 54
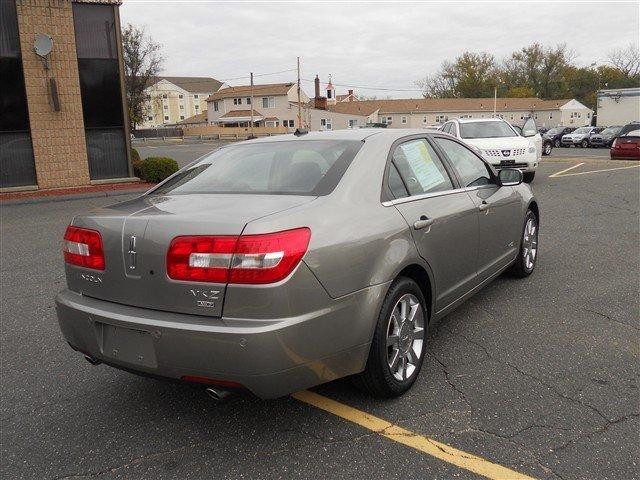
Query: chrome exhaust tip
pixel 91 360
pixel 216 394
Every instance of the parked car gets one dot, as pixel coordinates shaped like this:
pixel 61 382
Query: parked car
pixel 245 270
pixel 547 145
pixel 629 127
pixel 500 143
pixel 626 146
pixel 555 134
pixel 605 138
pixel 577 138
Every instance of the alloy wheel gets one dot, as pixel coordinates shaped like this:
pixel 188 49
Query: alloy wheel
pixel 405 337
pixel 547 149
pixel 530 243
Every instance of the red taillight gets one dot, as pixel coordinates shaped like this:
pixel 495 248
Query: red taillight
pixel 83 247
pixel 200 259
pixel 248 259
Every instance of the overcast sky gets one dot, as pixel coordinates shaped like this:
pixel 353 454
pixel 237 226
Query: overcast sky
pixel 368 44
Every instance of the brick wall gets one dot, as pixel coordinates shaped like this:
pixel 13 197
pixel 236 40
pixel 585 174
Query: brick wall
pixel 59 146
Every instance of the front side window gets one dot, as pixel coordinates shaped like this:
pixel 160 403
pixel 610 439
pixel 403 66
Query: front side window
pixel 420 168
pixel 486 130
pixel 312 167
pixel 472 171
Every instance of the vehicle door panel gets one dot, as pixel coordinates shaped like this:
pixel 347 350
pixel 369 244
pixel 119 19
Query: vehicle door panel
pixel 442 218
pixel 449 245
pixel 498 207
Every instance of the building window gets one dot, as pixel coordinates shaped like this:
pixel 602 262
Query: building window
pixel 329 126
pixel 181 107
pixel 166 107
pixel 289 123
pixel 389 120
pixel 550 116
pixel 166 117
pixel 150 118
pixel 248 100
pixel 268 102
pixel 181 117
pixel 18 166
pixel 100 91
pixel 441 118
pixel 424 119
pixel 237 101
pixel 215 106
pixel 195 95
pixel 164 95
pixel 588 114
pixel 323 122
pixel 403 120
pixel 197 107
pixel 353 123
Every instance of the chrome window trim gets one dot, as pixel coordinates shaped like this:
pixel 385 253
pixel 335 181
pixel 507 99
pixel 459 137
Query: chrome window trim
pixel 413 198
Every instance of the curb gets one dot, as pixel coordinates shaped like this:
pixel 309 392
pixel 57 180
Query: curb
pixel 72 196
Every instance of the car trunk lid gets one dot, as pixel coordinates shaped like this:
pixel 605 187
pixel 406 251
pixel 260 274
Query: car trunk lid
pixel 136 235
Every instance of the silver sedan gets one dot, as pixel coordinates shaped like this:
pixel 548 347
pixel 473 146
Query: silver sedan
pixel 278 264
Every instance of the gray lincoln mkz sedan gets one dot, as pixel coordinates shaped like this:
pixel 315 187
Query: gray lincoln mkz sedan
pixel 278 264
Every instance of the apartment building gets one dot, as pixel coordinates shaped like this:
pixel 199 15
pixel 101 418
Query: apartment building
pixel 62 109
pixel 423 112
pixel 171 100
pixel 274 104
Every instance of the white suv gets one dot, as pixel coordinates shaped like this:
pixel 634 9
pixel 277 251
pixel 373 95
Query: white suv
pixel 499 143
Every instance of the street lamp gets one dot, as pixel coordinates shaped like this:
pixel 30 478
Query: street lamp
pixel 495 97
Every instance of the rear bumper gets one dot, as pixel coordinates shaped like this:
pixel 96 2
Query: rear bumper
pixel 270 358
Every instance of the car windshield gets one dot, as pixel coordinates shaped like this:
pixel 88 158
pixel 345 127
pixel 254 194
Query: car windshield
pixel 583 130
pixel 486 130
pixel 312 167
pixel 611 130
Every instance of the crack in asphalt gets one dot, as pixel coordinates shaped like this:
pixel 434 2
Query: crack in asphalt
pixel 611 319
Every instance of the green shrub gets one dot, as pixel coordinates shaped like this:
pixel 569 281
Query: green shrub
pixel 136 162
pixel 156 169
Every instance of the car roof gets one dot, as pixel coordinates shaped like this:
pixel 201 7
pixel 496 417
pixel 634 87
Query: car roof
pixel 347 134
pixel 467 120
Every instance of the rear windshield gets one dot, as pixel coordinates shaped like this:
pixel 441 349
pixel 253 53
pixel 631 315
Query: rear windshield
pixel 299 167
pixel 486 130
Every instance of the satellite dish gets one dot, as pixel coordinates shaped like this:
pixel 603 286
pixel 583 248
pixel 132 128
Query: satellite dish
pixel 43 44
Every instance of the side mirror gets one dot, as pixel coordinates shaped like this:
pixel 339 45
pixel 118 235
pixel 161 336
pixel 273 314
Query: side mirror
pixel 510 177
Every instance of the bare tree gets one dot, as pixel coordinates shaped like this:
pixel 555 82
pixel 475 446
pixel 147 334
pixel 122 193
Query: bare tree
pixel 627 60
pixel 142 62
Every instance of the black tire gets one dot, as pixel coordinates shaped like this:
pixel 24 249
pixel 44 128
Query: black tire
pixel 377 379
pixel 556 143
pixel 528 177
pixel 547 148
pixel 584 143
pixel 519 269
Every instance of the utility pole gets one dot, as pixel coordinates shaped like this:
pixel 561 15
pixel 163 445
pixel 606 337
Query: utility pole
pixel 251 74
pixel 299 104
pixel 495 100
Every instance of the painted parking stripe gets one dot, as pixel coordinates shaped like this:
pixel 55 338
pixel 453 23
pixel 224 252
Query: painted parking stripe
pixel 598 171
pixel 418 442
pixel 565 170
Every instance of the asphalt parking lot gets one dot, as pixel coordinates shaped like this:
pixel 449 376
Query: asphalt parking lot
pixel 536 376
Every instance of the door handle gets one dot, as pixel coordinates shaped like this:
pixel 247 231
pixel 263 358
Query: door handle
pixel 423 223
pixel 483 206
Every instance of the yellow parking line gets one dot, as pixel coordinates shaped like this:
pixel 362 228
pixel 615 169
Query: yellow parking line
pixel 418 442
pixel 565 170
pixel 598 171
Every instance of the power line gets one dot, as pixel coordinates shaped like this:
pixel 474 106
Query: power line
pixel 258 75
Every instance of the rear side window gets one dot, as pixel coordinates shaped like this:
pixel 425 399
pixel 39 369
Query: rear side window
pixel 302 167
pixel 420 168
pixel 471 170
